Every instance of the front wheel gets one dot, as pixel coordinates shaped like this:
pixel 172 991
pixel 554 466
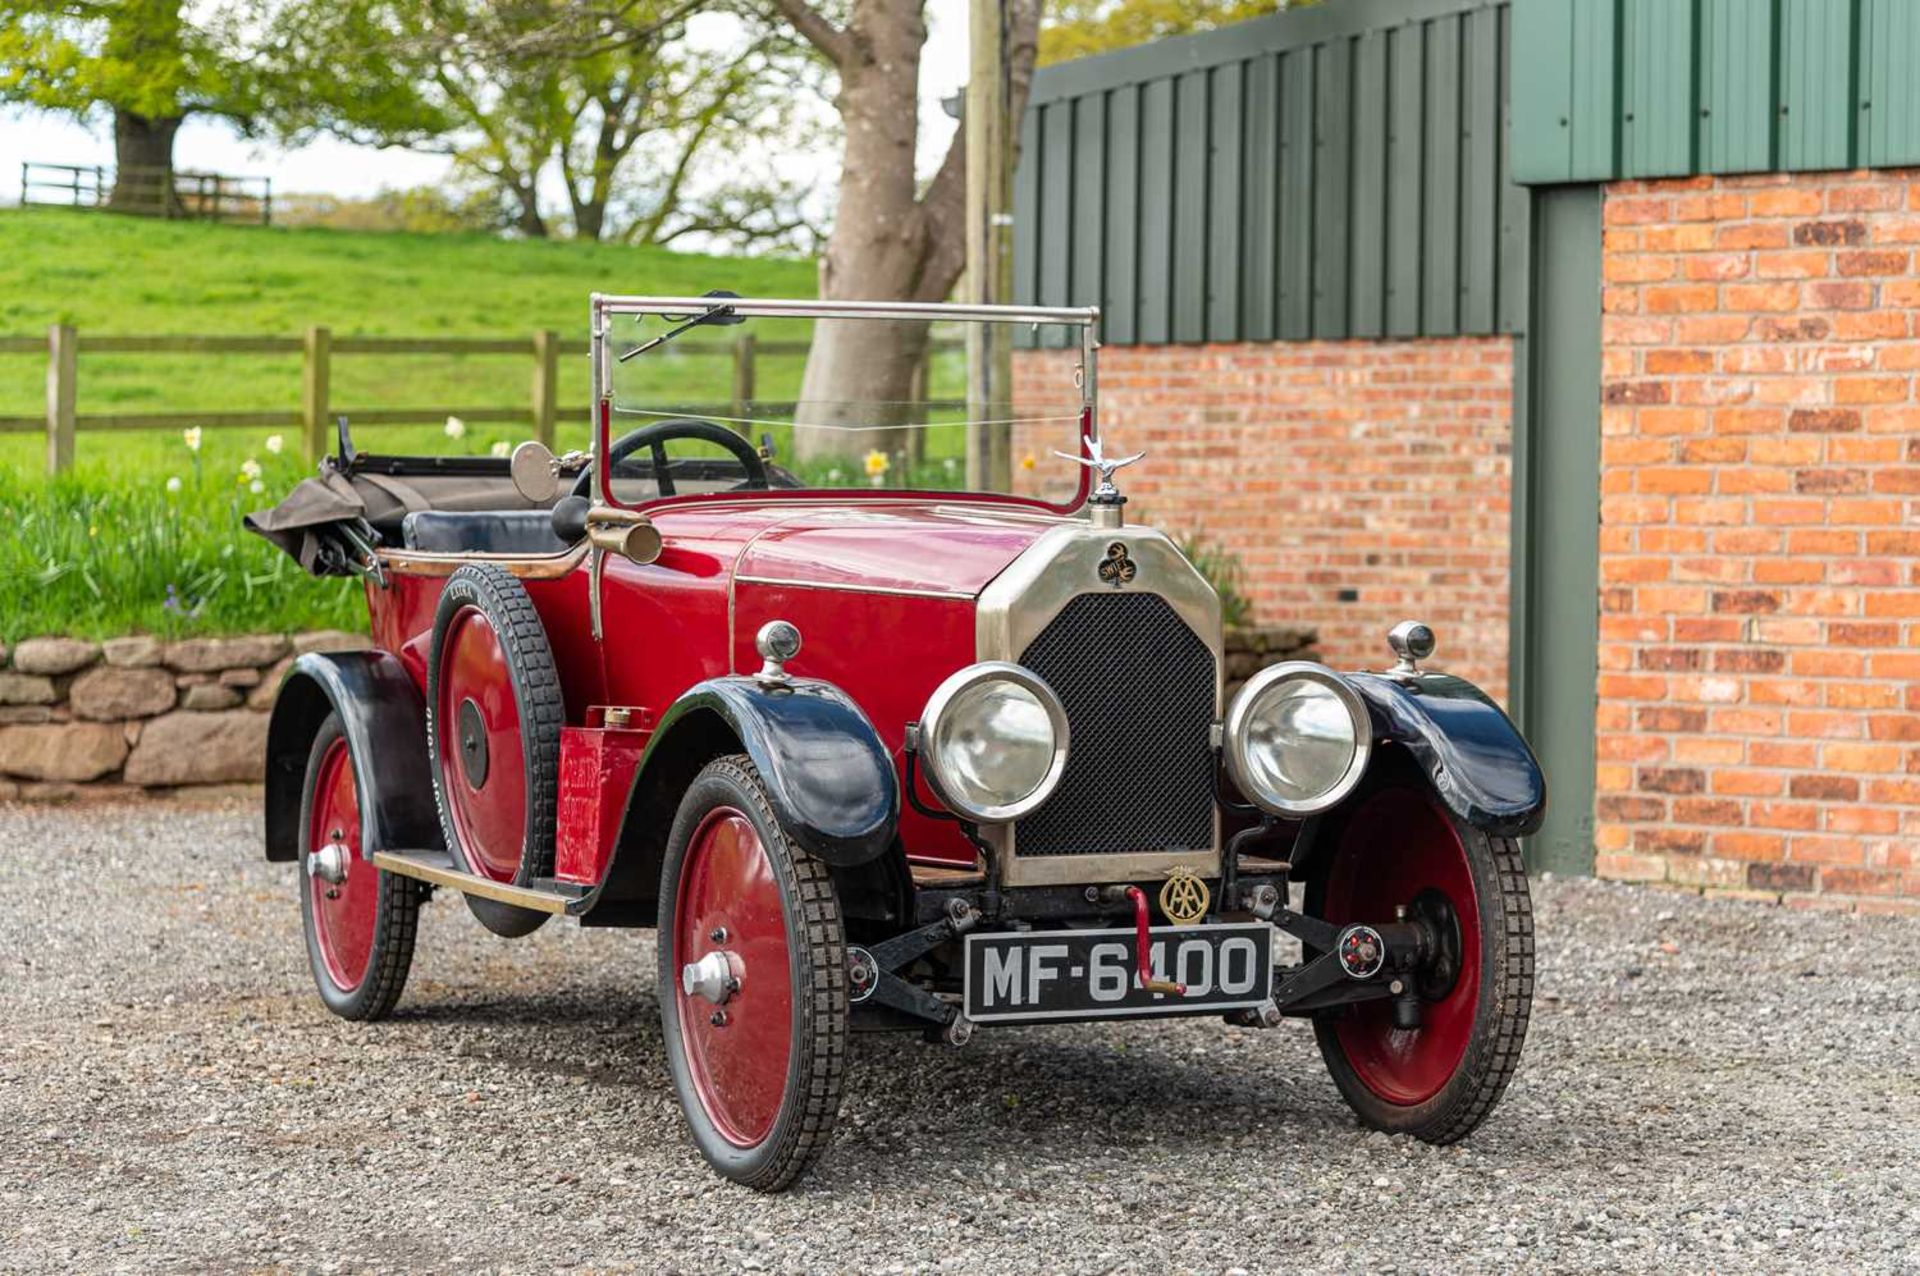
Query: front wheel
pixel 753 982
pixel 1398 848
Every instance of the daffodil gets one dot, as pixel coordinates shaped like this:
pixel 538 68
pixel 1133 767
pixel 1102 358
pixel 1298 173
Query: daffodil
pixel 502 448
pixel 1027 462
pixel 250 471
pixel 456 428
pixel 191 436
pixel 256 487
pixel 275 443
pixel 173 484
pixel 876 463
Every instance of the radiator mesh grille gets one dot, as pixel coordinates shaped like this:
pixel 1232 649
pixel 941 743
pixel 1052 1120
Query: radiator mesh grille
pixel 1138 687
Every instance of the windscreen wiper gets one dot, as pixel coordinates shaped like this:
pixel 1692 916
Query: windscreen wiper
pixel 713 315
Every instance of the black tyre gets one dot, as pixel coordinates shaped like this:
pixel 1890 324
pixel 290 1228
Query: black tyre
pixel 1397 846
pixel 758 1058
pixel 494 714
pixel 360 921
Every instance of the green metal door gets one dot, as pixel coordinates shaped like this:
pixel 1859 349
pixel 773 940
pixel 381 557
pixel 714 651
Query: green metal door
pixel 1556 518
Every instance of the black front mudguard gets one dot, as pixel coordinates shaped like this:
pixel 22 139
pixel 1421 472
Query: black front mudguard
pixel 828 774
pixel 384 719
pixel 1469 749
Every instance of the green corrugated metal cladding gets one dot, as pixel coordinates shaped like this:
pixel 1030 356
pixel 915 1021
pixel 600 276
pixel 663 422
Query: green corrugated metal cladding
pixel 1664 88
pixel 1339 171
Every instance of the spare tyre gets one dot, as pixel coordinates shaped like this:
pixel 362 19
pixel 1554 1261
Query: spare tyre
pixel 494 713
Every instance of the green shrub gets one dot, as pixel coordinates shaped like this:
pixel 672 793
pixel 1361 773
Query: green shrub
pixel 1225 572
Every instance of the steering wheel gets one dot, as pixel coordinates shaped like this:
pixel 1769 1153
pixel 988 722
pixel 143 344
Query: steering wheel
pixel 655 438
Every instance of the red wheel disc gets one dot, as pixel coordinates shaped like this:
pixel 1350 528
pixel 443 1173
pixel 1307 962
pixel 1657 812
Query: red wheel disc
pixel 1396 846
pixel 343 914
pixel 483 775
pixel 739 1068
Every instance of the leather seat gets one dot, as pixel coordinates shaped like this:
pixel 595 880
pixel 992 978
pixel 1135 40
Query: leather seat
pixel 522 532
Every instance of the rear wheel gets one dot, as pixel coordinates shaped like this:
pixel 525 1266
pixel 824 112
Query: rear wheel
pixel 494 713
pixel 1397 847
pixel 360 921
pixel 753 982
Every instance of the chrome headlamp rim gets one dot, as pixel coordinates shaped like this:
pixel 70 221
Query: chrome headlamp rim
pixel 944 695
pixel 1234 731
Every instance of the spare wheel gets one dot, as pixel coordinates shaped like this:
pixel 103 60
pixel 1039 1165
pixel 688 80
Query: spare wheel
pixel 494 713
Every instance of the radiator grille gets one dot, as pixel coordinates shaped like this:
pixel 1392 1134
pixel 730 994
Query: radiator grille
pixel 1138 687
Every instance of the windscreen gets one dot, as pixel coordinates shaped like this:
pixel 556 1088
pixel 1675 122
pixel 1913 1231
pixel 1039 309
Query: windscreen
pixel 842 404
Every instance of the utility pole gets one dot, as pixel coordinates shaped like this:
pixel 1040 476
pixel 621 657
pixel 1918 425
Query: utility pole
pixel 989 276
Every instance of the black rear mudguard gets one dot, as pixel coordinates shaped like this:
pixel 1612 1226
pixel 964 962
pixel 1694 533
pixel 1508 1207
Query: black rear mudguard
pixel 1469 749
pixel 384 719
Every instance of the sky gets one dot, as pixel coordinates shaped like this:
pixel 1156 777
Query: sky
pixel 331 167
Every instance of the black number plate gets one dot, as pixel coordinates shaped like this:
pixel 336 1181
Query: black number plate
pixel 1034 976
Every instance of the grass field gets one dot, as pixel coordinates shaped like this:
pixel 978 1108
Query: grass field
pixel 128 276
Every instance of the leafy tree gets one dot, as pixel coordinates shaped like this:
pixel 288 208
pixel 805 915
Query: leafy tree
pixel 153 64
pixel 645 120
pixel 610 94
pixel 1081 28
pixel 137 60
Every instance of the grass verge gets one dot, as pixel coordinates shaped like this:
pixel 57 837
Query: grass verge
pixel 95 558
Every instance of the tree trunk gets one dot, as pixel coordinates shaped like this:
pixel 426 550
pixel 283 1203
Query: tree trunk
pixel 855 395
pixel 859 370
pixel 589 218
pixel 530 223
pixel 889 243
pixel 143 163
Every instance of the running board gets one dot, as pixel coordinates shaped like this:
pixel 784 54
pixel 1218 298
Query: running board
pixel 437 868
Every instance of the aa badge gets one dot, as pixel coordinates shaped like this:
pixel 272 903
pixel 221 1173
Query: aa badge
pixel 1184 899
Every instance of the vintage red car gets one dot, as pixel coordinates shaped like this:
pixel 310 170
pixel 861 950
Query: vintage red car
pixel 882 759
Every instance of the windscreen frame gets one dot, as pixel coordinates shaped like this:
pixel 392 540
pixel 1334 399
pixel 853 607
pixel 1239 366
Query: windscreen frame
pixel 605 307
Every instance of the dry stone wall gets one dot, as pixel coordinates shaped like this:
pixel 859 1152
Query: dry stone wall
pixel 141 712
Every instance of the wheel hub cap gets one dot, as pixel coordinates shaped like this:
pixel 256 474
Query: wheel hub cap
pixel 716 977
pixel 329 863
pixel 473 744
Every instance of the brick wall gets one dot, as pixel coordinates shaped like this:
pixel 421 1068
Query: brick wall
pixel 1760 537
pixel 1359 482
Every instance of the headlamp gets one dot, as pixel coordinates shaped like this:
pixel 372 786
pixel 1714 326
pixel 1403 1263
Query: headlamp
pixel 994 736
pixel 1297 738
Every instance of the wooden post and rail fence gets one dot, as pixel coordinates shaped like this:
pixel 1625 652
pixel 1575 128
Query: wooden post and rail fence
pixel 63 421
pixel 148 192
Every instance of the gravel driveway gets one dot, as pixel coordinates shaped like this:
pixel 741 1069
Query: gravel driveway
pixel 1707 1086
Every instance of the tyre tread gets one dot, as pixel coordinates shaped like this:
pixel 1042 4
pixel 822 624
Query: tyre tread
pixel 400 900
pixel 1513 1005
pixel 823 1022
